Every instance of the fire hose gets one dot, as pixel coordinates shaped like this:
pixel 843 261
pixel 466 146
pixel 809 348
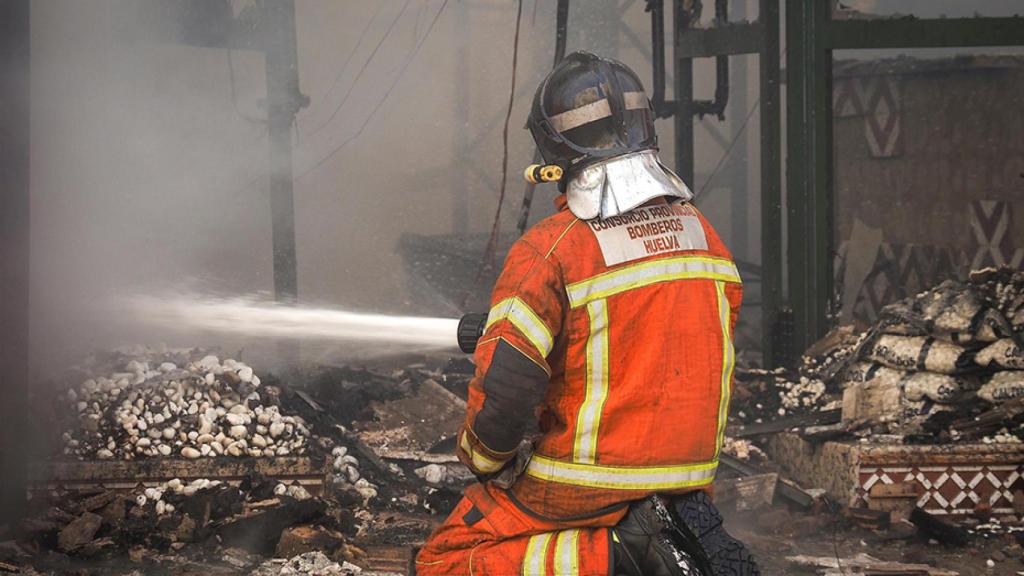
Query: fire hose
pixel 470 329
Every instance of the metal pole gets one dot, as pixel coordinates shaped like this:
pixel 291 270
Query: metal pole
pixel 822 146
pixel 771 181
pixel 809 168
pixel 736 164
pixel 460 207
pixel 683 98
pixel 283 101
pixel 561 34
pixel 14 253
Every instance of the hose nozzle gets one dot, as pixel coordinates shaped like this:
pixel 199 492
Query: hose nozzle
pixel 471 328
pixel 540 173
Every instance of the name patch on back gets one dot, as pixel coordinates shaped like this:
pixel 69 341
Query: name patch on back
pixel 649 231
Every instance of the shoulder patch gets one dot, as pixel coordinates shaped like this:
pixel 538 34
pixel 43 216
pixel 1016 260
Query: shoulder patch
pixel 648 231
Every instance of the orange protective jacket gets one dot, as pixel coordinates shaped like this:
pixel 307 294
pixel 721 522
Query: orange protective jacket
pixel 617 335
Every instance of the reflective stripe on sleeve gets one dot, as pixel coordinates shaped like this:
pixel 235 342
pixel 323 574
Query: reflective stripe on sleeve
pixel 480 461
pixel 566 553
pixel 622 477
pixel 535 562
pixel 589 418
pixel 526 320
pixel 651 272
pixel 728 361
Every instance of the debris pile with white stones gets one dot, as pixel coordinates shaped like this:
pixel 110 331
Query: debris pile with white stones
pixel 148 446
pixel 155 405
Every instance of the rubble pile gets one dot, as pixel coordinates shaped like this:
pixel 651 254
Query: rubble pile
pixel 308 563
pixel 761 396
pixel 945 365
pixel 159 405
pixel 944 356
pixel 179 521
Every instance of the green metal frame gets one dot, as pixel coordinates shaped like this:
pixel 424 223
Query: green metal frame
pixel 731 39
pixel 811 37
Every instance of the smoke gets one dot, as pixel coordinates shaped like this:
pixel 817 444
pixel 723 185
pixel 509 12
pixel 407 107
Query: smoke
pixel 149 152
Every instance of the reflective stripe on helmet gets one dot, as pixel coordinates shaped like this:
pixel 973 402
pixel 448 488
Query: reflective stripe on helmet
pixel 651 272
pixel 622 477
pixel 635 100
pixel 526 320
pixel 728 362
pixel 589 418
pixel 579 116
pixel 535 561
pixel 595 111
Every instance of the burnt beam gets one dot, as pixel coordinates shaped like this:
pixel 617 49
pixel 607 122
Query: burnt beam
pixel 721 40
pixel 923 33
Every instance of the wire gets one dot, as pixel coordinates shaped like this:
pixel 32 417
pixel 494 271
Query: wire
pixel 728 150
pixel 359 74
pixel 488 257
pixel 381 100
pixel 348 60
pixel 835 535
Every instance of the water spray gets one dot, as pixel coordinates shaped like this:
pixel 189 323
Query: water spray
pixel 249 317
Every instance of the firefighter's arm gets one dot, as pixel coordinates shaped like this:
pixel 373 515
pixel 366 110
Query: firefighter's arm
pixel 512 369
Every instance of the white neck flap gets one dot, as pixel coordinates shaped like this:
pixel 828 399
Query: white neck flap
pixel 621 184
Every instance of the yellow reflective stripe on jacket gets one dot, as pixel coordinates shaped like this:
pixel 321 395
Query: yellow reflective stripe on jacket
pixel 622 477
pixel 566 555
pixel 589 418
pixel 480 461
pixel 535 562
pixel 728 362
pixel 651 272
pixel 526 320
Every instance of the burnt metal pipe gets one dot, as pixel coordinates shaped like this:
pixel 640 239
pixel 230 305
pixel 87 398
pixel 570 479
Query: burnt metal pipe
pixel 657 10
pixel 561 34
pixel 663 108
pixel 716 107
pixel 561 29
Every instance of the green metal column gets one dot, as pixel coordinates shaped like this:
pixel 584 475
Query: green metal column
pixel 809 167
pixel 683 116
pixel 771 180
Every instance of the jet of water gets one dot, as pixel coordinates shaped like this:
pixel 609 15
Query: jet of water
pixel 251 318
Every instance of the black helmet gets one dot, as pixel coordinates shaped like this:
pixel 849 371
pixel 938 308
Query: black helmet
pixel 590 109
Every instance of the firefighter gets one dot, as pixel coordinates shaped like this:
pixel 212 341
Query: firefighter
pixel 610 332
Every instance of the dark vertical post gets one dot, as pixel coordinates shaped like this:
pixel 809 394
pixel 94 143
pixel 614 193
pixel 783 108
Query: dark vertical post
pixel 821 217
pixel 771 180
pixel 14 252
pixel 683 97
pixel 561 36
pixel 737 163
pixel 809 167
pixel 283 101
pixel 460 205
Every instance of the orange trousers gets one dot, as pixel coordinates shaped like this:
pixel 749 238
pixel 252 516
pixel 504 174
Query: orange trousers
pixel 488 534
